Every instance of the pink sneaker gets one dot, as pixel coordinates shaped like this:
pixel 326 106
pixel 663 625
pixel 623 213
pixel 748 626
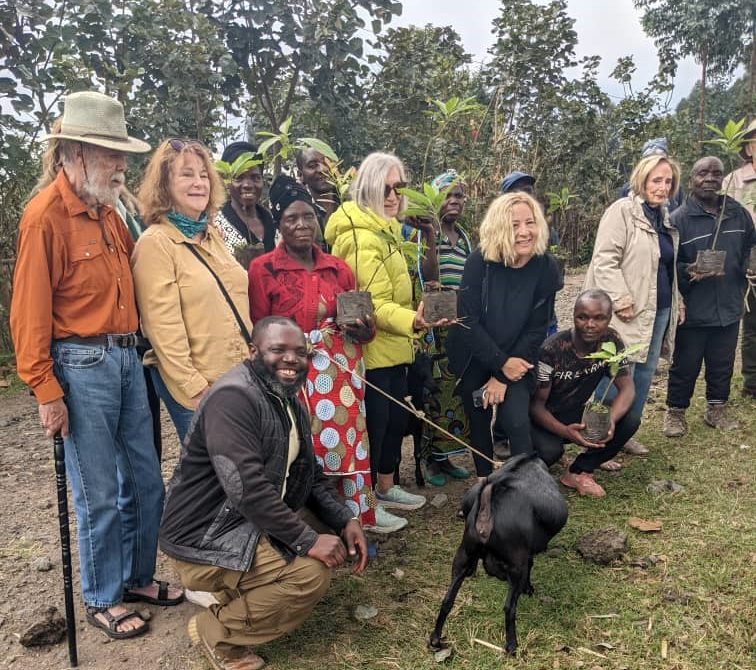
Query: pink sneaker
pixel 583 483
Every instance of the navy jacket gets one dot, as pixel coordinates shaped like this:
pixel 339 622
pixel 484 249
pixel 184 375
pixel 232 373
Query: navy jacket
pixel 717 301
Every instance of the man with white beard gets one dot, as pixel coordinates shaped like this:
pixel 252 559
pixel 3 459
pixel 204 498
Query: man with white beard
pixel 74 322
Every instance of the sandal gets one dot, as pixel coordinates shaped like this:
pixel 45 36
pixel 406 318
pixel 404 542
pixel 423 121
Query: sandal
pixel 611 466
pixel 111 624
pixel 162 596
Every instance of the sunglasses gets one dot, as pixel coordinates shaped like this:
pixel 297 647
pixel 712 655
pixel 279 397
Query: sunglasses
pixel 179 144
pixel 388 189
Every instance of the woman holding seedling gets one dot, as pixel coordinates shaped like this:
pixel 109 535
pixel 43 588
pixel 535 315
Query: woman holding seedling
pixel 634 260
pixel 302 282
pixel 366 234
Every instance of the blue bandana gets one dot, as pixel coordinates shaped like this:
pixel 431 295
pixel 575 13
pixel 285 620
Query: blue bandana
pixel 188 226
pixel 443 180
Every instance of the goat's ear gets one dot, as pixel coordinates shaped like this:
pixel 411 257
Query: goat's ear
pixel 484 519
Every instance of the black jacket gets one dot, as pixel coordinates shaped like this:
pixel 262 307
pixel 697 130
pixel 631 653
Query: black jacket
pixel 226 490
pixel 504 312
pixel 717 301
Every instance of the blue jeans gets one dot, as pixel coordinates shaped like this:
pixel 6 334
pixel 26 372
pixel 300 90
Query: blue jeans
pixel 643 373
pixel 180 415
pixel 112 466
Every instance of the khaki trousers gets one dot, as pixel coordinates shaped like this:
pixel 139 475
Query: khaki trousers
pixel 257 606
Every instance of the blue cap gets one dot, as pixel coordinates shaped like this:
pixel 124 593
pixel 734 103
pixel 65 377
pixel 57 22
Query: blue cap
pixel 515 177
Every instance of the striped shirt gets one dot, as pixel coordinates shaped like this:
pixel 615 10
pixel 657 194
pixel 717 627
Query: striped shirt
pixel 451 258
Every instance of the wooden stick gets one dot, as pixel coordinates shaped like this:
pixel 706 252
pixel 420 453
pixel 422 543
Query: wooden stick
pixel 590 651
pixel 489 645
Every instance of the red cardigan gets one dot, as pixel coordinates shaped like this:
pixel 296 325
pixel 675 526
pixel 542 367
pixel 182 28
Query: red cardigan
pixel 280 286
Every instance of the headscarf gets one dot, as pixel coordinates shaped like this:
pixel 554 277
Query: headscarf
pixel 283 192
pixel 654 147
pixel 236 149
pixel 445 179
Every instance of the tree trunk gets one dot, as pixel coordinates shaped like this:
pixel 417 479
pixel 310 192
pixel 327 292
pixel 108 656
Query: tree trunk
pixel 702 105
pixel 752 87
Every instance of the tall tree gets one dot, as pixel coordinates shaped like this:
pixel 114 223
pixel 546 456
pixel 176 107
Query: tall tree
pixel 718 34
pixel 282 47
pixel 416 66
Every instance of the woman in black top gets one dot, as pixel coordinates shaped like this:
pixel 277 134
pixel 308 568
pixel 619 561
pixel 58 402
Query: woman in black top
pixel 504 309
pixel 243 220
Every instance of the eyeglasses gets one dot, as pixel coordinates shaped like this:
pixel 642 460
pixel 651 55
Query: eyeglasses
pixel 388 189
pixel 179 144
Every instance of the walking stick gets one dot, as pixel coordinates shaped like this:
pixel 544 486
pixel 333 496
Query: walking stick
pixel 65 546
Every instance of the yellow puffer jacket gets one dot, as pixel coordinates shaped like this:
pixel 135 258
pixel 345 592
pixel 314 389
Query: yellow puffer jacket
pixel 381 269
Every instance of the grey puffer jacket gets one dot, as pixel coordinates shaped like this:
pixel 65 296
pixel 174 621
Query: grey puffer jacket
pixel 226 490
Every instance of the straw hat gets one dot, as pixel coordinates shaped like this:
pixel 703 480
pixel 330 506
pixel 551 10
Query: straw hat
pixel 750 134
pixel 96 118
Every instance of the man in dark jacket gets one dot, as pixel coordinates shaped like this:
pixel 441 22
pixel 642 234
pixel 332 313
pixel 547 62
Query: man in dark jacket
pixel 713 302
pixel 231 523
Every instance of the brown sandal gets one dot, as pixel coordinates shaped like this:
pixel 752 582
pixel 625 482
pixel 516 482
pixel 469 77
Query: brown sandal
pixel 111 623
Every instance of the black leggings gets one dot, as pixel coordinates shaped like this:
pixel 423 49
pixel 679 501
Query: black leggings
pixel 386 421
pixel 511 417
pixel 550 447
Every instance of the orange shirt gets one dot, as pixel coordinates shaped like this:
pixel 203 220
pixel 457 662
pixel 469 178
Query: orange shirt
pixel 70 279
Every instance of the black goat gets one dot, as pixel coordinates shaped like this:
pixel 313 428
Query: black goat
pixel 509 518
pixel 421 387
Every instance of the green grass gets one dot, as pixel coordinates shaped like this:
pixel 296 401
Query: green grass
pixel 8 375
pixel 698 596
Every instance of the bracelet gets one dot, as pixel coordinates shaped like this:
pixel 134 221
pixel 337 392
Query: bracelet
pixel 357 519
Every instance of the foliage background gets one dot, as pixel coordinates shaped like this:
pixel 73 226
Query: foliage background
pixel 221 69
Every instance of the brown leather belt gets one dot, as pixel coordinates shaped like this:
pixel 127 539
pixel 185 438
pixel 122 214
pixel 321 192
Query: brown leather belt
pixel 124 341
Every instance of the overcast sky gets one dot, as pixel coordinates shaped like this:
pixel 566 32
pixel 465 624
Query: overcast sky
pixel 606 28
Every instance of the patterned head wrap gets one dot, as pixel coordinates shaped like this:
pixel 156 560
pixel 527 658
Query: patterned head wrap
pixel 443 180
pixel 655 147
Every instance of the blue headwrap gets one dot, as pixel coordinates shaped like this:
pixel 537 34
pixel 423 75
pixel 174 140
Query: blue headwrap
pixel 443 180
pixel 654 147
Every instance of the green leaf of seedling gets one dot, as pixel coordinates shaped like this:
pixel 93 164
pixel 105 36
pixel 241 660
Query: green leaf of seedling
pixel 285 126
pixel 318 145
pixel 609 347
pixel 267 144
pixel 265 133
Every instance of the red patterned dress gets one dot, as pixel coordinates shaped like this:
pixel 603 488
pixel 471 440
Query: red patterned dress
pixel 280 286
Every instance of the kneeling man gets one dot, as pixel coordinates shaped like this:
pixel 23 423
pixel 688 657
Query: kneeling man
pixel 567 380
pixel 231 522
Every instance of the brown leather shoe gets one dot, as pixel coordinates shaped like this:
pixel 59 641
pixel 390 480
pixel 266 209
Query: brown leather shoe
pixel 635 448
pixel 246 659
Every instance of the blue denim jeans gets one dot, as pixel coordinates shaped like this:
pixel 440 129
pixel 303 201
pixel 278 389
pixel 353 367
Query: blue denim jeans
pixel 643 373
pixel 180 415
pixel 112 466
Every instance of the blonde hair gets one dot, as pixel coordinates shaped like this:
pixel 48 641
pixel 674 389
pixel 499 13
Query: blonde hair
pixel 497 236
pixel 154 192
pixel 369 184
pixel 645 167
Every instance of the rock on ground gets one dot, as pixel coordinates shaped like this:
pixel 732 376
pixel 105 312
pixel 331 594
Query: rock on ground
pixel 602 546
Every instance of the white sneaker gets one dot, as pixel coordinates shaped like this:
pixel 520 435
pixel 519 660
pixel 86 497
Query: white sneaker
pixel 398 498
pixel 201 598
pixel 385 522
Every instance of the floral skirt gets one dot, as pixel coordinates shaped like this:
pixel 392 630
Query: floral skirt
pixel 336 401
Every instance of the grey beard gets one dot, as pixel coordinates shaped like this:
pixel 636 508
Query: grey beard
pixel 284 391
pixel 103 195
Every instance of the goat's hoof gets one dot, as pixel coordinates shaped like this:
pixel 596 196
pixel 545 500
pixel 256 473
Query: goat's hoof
pixel 436 643
pixel 511 649
pixel 529 590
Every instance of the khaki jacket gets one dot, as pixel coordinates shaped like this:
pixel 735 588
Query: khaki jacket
pixel 380 268
pixel 624 264
pixel 741 182
pixel 193 332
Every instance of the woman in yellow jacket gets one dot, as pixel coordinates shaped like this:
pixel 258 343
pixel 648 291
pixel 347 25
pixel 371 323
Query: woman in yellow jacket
pixel 194 333
pixel 365 233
